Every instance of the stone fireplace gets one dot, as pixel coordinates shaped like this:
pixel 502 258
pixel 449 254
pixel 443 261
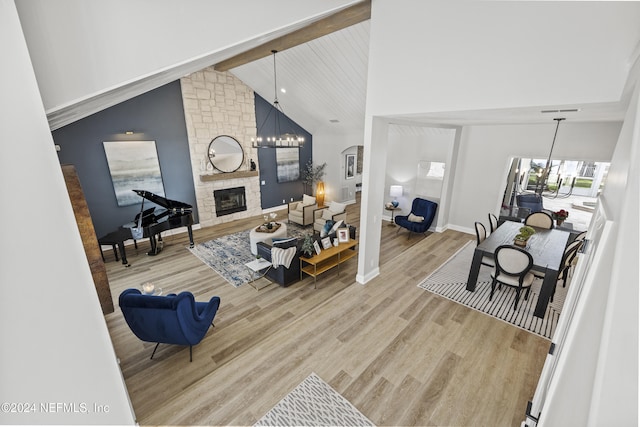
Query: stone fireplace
pixel 230 200
pixel 218 103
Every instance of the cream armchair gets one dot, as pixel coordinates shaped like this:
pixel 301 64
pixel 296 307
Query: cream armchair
pixel 333 211
pixel 301 212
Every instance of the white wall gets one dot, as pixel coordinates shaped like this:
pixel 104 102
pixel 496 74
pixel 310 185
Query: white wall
pixel 55 347
pixel 597 375
pixel 409 145
pixel 329 147
pixel 486 153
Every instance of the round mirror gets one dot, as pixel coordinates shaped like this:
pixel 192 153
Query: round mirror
pixel 225 153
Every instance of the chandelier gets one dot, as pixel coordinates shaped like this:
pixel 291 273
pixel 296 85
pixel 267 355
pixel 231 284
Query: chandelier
pixel 547 184
pixel 279 139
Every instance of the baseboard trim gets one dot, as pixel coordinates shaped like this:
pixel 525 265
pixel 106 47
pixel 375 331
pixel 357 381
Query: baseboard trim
pixel 363 279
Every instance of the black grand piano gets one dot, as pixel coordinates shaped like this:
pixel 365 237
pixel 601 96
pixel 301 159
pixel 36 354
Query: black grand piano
pixel 175 215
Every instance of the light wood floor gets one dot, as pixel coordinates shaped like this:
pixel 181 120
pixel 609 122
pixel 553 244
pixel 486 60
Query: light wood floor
pixel 401 355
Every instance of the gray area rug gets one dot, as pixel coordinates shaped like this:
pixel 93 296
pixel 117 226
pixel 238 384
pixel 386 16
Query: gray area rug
pixel 227 255
pixel 314 403
pixel 450 281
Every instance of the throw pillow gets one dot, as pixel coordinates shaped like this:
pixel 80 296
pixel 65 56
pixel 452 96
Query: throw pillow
pixel 282 256
pixel 300 207
pixel 336 207
pixel 284 242
pixel 325 229
pixel 335 227
pixel 308 200
pixel 415 218
pixel 326 214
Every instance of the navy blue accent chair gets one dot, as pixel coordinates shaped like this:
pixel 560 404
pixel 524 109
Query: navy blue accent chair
pixel 419 207
pixel 531 201
pixel 172 319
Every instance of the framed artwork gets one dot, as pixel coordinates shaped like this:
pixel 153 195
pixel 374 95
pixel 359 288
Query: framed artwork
pixel 288 164
pixel 133 165
pixel 316 246
pixel 343 235
pixel 350 166
pixel 326 243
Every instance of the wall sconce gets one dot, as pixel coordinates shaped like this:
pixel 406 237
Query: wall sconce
pixel 129 132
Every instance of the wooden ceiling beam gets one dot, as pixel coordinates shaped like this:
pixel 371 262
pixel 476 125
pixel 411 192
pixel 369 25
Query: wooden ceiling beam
pixel 338 21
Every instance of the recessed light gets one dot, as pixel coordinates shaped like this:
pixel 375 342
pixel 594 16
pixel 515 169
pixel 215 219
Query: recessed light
pixel 283 90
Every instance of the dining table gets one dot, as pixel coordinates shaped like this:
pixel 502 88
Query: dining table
pixel 545 246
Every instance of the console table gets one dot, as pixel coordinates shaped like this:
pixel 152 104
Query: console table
pixel 327 259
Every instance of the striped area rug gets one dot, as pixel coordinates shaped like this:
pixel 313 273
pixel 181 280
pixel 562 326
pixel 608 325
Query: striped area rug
pixel 450 281
pixel 314 403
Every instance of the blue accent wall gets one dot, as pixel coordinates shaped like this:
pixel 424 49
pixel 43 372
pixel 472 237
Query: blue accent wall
pixel 272 192
pixel 157 115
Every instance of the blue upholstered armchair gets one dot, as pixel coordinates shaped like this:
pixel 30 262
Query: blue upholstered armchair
pixel 172 319
pixel 531 201
pixel 419 220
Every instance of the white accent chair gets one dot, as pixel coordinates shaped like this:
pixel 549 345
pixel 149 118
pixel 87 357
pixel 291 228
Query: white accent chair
pixel 334 211
pixel 481 234
pixel 540 220
pixel 513 268
pixel 493 222
pixel 301 212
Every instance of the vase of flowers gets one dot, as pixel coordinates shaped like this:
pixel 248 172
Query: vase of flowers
pixel 560 216
pixel 523 236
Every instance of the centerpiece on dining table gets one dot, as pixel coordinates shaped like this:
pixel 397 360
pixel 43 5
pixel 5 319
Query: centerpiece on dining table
pixel 523 236
pixel 560 216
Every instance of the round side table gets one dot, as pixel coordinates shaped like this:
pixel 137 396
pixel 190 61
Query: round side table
pixel 392 209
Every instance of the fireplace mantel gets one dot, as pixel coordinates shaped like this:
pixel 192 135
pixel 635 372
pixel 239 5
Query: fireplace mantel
pixel 230 175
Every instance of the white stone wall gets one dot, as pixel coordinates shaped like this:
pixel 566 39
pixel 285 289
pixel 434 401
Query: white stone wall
pixel 218 103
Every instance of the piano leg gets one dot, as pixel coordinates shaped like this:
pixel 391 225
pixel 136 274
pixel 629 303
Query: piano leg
pixel 190 230
pixel 156 246
pixel 123 254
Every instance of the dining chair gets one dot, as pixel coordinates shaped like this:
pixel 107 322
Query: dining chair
pixel 568 261
pixel 493 222
pixel 513 268
pixel 540 220
pixel 481 235
pixel 523 212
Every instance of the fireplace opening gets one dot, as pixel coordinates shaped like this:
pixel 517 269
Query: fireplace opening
pixel 230 200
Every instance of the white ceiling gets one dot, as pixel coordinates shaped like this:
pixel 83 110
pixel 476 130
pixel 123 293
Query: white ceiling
pixel 326 80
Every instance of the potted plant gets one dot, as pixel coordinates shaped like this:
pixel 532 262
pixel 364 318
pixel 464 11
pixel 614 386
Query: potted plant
pixel 307 246
pixel 523 235
pixel 312 174
pixel 560 216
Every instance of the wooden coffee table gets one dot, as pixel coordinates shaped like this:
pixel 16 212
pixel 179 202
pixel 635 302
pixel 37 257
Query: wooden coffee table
pixel 327 259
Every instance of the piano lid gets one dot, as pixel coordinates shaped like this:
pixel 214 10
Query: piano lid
pixel 169 204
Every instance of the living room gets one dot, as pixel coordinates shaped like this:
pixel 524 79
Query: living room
pixel 461 211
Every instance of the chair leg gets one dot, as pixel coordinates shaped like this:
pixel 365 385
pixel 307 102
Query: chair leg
pixel 154 350
pixel 493 286
pixel 190 353
pixel 515 304
pixel 565 275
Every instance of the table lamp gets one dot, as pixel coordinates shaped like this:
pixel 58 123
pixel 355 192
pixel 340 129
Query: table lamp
pixel 395 191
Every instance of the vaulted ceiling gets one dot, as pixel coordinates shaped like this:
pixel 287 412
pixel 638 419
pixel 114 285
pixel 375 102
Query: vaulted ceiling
pixel 326 82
